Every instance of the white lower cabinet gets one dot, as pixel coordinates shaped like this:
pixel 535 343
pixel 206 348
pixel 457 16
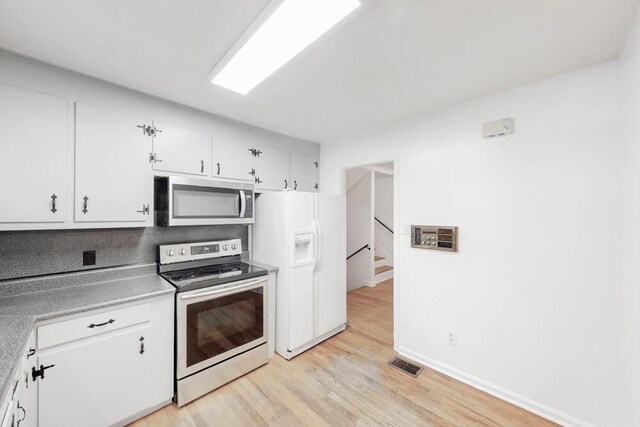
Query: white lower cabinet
pixel 121 371
pixel 27 401
pixel 105 380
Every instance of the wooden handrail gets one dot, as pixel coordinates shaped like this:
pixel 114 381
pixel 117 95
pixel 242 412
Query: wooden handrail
pixel 359 250
pixel 382 224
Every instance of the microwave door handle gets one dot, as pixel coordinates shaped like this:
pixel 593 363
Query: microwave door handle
pixel 243 203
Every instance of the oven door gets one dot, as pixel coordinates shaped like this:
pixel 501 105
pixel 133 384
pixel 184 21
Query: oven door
pixel 209 202
pixel 214 324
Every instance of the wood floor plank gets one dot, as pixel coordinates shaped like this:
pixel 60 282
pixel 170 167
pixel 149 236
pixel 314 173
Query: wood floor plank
pixel 345 381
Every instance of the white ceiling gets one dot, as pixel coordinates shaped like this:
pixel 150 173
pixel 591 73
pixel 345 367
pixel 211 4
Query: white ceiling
pixel 390 60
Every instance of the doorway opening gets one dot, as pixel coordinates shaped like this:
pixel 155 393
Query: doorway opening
pixel 370 248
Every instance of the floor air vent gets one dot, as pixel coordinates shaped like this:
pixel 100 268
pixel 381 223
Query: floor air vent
pixel 406 367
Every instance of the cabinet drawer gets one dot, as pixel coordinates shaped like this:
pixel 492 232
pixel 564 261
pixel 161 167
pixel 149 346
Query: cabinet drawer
pixel 70 330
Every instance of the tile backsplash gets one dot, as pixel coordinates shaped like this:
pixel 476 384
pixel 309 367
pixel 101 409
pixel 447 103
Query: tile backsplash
pixel 34 253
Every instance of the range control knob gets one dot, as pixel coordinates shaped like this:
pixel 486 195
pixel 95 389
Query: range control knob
pixel 182 251
pixel 234 246
pixel 170 252
pixel 225 247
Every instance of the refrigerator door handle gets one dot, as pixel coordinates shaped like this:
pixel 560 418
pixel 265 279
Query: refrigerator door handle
pixel 315 246
pixel 318 255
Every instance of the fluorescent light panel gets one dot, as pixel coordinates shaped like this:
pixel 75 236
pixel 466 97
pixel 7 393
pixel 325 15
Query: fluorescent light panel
pixel 293 26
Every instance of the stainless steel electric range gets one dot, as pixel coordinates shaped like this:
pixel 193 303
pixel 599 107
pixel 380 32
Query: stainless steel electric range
pixel 221 314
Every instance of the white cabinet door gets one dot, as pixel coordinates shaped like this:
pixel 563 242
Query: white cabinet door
pixel 232 159
pixel 181 150
pixel 33 156
pixel 273 169
pixel 27 402
pixel 114 180
pixel 304 172
pixel 95 382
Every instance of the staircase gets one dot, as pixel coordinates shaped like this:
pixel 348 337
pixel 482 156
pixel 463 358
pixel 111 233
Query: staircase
pixel 383 269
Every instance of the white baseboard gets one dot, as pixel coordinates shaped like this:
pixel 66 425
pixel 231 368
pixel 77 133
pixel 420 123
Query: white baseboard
pixel 497 391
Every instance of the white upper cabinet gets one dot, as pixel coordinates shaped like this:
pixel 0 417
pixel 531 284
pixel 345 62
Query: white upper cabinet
pixel 114 180
pixel 273 169
pixel 33 157
pixel 181 150
pixel 232 159
pixel 304 172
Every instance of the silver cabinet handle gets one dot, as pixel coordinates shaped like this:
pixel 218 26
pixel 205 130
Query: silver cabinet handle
pixel 218 168
pixel 201 166
pixel 285 184
pixel 53 203
pixel 295 185
pixel 85 205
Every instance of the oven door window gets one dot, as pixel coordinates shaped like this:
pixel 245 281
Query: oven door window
pixel 218 325
pixel 201 202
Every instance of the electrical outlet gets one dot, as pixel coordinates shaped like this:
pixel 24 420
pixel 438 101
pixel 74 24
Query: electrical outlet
pixel 452 338
pixel 89 258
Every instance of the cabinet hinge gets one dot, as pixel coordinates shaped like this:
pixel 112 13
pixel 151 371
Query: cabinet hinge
pixel 255 152
pixel 153 158
pixel 315 186
pixel 145 210
pixel 35 373
pixel 315 163
pixel 149 130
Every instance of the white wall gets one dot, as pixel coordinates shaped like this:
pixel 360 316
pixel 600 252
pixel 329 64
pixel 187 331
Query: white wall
pixel 384 212
pixel 359 199
pixel 630 115
pixel 535 291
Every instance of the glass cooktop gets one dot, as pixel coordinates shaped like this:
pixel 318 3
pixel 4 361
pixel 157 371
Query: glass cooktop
pixel 211 275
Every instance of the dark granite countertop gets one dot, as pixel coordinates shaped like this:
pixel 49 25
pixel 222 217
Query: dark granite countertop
pixel 27 301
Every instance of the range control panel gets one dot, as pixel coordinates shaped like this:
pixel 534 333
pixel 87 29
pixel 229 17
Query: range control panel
pixel 434 237
pixel 194 251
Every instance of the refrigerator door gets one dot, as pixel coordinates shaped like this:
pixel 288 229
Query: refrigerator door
pixel 331 264
pixel 302 245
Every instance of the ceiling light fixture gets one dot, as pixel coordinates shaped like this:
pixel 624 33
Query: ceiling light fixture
pixel 287 27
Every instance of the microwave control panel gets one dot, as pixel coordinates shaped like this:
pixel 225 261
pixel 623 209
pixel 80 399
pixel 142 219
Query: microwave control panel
pixel 434 237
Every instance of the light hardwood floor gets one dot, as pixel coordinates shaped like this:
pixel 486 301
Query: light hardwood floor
pixel 346 381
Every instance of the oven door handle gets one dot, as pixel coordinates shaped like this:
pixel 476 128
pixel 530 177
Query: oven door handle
pixel 223 290
pixel 243 203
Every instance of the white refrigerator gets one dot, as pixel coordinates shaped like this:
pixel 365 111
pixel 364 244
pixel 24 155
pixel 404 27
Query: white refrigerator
pixel 304 235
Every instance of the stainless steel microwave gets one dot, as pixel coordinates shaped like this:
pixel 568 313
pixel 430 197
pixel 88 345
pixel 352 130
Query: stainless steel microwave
pixel 197 201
